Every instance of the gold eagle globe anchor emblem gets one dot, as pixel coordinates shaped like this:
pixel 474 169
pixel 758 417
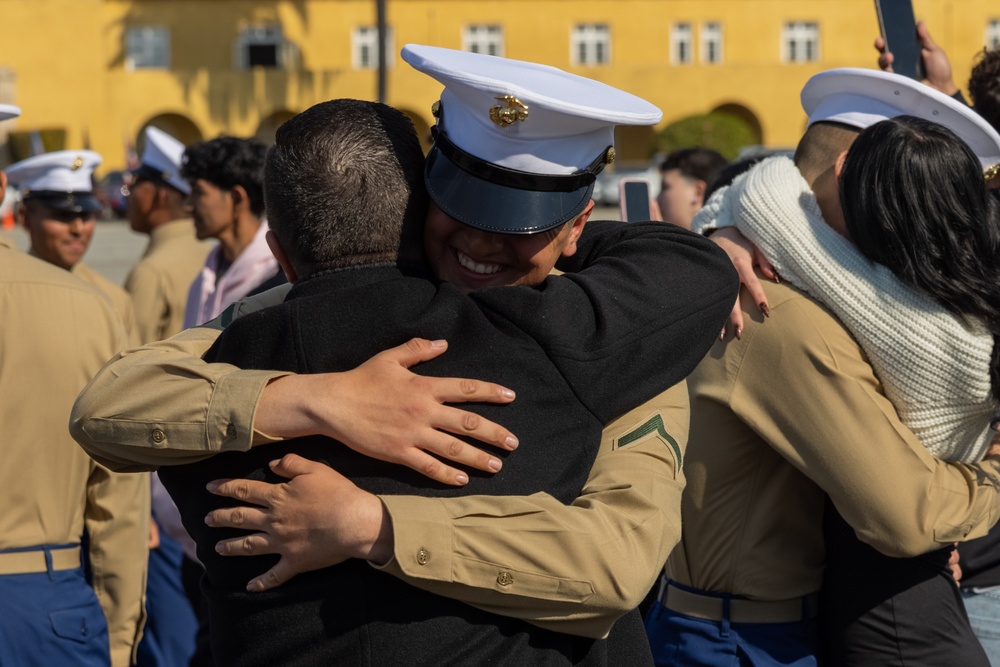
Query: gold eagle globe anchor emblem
pixel 509 111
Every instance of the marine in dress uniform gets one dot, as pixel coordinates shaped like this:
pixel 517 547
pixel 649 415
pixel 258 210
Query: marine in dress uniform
pixel 57 333
pixel 461 120
pixel 159 283
pixel 59 211
pixel 789 425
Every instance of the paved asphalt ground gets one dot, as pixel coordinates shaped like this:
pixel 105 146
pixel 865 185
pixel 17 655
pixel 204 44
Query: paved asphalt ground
pixel 116 248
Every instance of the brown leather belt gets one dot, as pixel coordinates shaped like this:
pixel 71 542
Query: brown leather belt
pixel 30 562
pixel 712 608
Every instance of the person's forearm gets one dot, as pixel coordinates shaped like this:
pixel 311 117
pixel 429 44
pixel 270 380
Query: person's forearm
pixel 160 404
pixel 558 566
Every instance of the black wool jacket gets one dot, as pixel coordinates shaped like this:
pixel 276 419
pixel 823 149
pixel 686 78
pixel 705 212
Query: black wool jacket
pixel 638 308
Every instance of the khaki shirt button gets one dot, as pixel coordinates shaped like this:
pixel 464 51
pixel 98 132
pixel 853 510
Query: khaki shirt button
pixel 159 436
pixel 231 432
pixel 423 556
pixel 505 578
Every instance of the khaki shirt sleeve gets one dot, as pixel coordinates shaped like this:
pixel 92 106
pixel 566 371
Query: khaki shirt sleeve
pixel 148 297
pixel 574 568
pixel 117 522
pixel 160 404
pixel 804 386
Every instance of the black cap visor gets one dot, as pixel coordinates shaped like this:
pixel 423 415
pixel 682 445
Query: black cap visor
pixel 74 202
pixel 502 209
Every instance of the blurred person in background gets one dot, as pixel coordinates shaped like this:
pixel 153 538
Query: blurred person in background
pixel 59 211
pixel 57 332
pixel 685 175
pixel 160 281
pixel 226 176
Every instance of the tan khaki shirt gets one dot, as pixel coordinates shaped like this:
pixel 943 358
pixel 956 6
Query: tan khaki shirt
pixel 789 413
pixel 573 569
pixel 56 333
pixel 119 297
pixel 159 283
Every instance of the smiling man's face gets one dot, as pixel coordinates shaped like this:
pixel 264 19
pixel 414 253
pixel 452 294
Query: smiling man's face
pixel 59 237
pixel 472 259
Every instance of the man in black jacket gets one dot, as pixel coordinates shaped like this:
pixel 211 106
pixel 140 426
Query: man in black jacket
pixel 336 219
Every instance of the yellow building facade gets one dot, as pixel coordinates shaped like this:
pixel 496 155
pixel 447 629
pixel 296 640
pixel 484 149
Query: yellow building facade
pixel 94 73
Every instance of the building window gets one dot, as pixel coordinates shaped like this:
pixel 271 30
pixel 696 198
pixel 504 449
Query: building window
pixel 591 44
pixel 800 42
pixel 261 46
pixel 993 34
pixel 711 43
pixel 364 47
pixel 483 38
pixel 147 47
pixel 681 44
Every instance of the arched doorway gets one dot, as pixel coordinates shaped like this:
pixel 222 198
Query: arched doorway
pixel 746 115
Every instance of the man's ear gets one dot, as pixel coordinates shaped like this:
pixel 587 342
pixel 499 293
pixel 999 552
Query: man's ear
pixel 282 257
pixel 838 167
pixel 241 202
pixel 699 192
pixel 576 228
pixel 21 215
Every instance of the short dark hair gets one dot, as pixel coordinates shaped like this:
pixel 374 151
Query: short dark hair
pixel 915 201
pixel 342 181
pixel 727 175
pixel 226 162
pixel 820 146
pixel 984 86
pixel 700 164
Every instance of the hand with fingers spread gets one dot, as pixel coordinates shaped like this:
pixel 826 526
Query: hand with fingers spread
pixel 385 411
pixel 937 66
pixel 316 519
pixel 744 256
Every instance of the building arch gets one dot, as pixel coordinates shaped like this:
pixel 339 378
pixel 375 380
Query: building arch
pixel 269 125
pixel 744 114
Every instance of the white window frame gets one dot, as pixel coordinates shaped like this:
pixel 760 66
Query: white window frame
pixel 263 35
pixel 147 47
pixel 992 40
pixel 483 38
pixel 681 43
pixel 800 42
pixel 364 46
pixel 711 42
pixel 590 44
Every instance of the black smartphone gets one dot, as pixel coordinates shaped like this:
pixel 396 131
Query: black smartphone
pixel 634 200
pixel 899 30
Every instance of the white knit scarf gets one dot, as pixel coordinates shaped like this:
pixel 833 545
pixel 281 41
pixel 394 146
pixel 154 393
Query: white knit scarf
pixel 934 367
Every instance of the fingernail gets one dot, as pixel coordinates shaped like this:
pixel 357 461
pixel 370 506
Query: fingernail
pixel 255 587
pixel 511 442
pixel 507 393
pixel 494 464
pixel 438 343
pixel 219 548
pixel 739 333
pixel 776 278
pixel 274 463
pixel 212 486
pixel 764 308
pixel 462 478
